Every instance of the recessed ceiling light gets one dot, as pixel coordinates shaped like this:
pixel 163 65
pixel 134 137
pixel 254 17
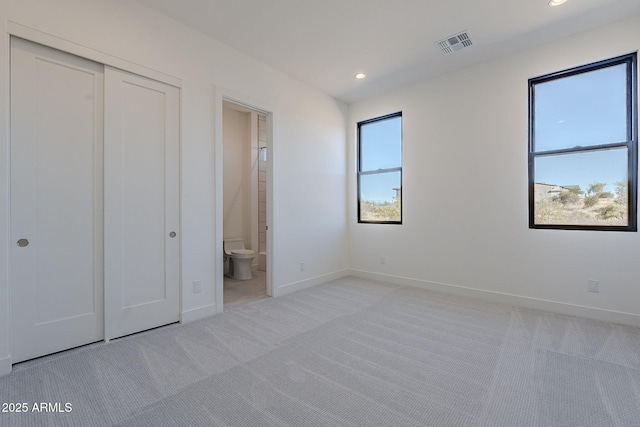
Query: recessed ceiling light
pixel 360 76
pixel 553 3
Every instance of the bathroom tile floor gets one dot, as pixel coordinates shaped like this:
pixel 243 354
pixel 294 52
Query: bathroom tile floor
pixel 239 291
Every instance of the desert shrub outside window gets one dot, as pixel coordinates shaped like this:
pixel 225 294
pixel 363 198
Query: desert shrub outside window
pixel 380 170
pixel 583 147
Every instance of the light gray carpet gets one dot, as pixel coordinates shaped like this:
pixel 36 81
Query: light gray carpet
pixel 347 353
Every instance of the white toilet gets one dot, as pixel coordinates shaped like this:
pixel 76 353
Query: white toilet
pixel 238 258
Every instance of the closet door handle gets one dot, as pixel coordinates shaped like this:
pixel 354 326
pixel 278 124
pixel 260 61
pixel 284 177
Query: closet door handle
pixel 22 243
pixel 172 234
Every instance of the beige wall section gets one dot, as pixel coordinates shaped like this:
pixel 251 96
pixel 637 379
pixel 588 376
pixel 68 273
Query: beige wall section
pixel 236 137
pixel 310 135
pixel 465 189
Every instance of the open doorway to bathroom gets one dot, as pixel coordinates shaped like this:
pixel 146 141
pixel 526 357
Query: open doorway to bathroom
pixel 245 178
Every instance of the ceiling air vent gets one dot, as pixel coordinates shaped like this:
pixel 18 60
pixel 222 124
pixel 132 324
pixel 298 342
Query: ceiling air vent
pixel 455 43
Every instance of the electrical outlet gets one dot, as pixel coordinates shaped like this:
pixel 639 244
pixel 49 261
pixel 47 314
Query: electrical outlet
pixel 197 286
pixel 302 266
pixel 383 260
pixel 594 286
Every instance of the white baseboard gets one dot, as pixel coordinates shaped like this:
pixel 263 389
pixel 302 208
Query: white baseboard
pixel 198 313
pixel 307 283
pixel 5 366
pixel 528 302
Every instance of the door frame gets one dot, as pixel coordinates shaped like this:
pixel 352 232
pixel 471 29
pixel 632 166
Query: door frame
pixel 225 95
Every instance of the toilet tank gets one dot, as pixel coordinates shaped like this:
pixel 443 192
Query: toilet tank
pixel 233 245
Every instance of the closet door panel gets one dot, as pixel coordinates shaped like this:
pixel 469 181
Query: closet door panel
pixel 141 203
pixel 56 200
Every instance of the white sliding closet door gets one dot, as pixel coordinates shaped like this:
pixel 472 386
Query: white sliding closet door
pixel 141 203
pixel 56 200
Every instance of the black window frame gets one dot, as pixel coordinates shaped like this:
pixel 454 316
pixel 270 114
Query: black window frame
pixel 380 171
pixel 631 143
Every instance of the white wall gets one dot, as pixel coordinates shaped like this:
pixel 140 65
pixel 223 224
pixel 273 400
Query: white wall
pixel 310 139
pixel 465 191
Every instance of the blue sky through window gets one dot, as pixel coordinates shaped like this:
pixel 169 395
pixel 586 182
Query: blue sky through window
pixel 379 187
pixel 380 148
pixel 609 167
pixel 582 110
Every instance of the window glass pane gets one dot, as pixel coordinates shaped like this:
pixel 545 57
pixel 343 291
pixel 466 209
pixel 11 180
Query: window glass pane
pixel 380 197
pixel 381 144
pixel 581 110
pixel 587 188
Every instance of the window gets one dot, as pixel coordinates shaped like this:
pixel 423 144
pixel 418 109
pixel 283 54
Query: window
pixel 380 170
pixel 583 147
